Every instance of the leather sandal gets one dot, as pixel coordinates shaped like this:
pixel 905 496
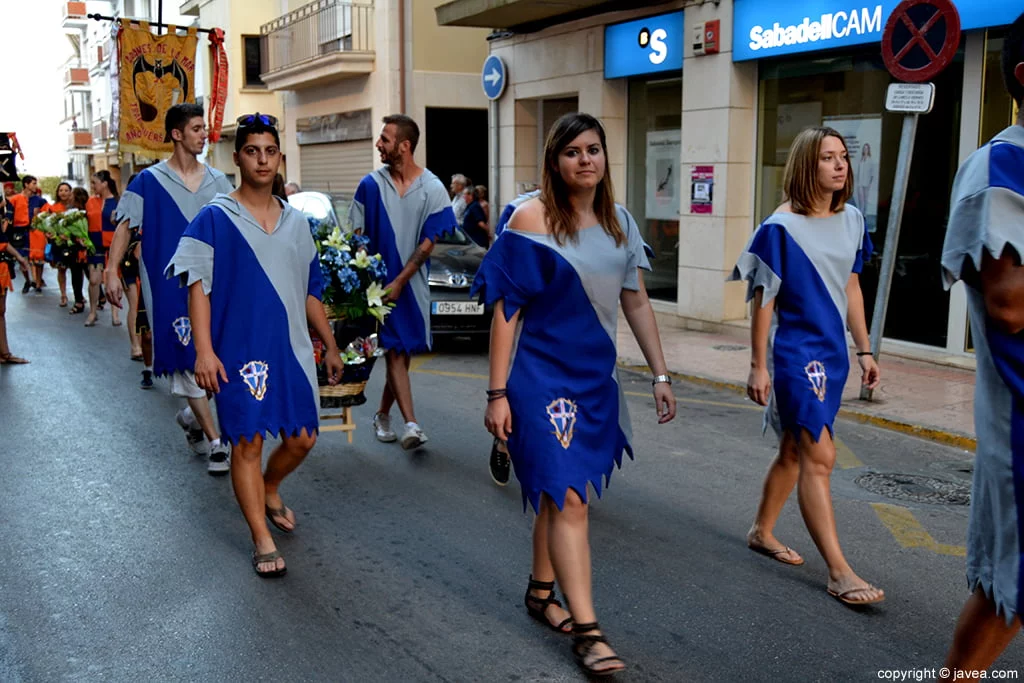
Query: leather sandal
pixel 537 607
pixel 273 514
pixel 258 559
pixel 583 641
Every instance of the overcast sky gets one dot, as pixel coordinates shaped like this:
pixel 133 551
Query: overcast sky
pixel 32 106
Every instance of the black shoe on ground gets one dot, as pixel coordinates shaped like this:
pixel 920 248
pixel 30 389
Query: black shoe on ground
pixel 27 287
pixel 147 380
pixel 501 464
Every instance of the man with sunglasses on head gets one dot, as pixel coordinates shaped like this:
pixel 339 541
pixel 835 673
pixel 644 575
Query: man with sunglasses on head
pixel 254 283
pixel 402 208
pixel 160 203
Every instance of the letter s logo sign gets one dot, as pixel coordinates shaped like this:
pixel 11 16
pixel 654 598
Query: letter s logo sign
pixel 658 47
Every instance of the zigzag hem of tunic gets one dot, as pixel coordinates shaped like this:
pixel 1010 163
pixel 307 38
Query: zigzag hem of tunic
pixel 987 586
pixel 533 497
pixel 272 432
pixel 796 428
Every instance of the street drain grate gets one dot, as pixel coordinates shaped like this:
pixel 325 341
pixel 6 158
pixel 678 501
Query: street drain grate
pixel 730 347
pixel 916 488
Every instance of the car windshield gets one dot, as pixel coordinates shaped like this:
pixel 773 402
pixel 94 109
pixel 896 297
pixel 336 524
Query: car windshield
pixel 455 236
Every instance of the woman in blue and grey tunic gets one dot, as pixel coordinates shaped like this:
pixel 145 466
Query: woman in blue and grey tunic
pixel 984 246
pixel 804 260
pixel 556 279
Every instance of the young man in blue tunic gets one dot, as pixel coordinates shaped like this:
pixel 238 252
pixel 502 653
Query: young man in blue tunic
pixel 160 202
pixel 402 208
pixel 254 283
pixel 984 247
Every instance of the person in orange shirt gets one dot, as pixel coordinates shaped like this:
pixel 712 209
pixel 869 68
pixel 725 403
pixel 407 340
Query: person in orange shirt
pixel 36 238
pixel 100 213
pixel 61 263
pixel 7 254
pixel 18 231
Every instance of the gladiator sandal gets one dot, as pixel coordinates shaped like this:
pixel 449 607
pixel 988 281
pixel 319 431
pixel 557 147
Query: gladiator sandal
pixel 537 607
pixel 583 641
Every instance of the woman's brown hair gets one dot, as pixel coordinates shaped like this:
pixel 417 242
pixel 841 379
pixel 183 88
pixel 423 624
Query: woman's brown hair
pixel 800 181
pixel 79 197
pixel 554 194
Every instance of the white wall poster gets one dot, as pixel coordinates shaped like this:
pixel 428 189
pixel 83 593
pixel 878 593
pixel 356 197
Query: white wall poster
pixel 864 143
pixel 663 179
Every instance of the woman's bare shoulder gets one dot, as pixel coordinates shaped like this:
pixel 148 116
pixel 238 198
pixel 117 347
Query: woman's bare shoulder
pixel 529 216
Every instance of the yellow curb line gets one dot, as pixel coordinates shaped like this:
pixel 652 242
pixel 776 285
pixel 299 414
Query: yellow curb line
pixel 909 533
pixel 962 441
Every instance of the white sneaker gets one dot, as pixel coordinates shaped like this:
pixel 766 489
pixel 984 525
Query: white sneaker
pixel 382 428
pixel 220 459
pixel 194 435
pixel 413 437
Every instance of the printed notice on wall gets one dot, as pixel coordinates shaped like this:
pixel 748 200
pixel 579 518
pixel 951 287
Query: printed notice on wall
pixel 863 137
pixel 702 185
pixel 663 180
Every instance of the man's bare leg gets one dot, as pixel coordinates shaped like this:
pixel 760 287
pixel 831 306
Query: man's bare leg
pixel 204 416
pixel 398 388
pixel 981 636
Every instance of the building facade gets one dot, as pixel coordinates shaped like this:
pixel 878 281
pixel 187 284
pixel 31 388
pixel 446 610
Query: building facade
pixel 701 102
pixel 88 90
pixel 246 92
pixel 344 65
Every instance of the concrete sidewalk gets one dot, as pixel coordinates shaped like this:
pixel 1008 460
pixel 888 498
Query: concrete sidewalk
pixel 932 400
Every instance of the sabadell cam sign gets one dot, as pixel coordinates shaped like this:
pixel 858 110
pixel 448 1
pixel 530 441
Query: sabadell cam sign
pixel 768 29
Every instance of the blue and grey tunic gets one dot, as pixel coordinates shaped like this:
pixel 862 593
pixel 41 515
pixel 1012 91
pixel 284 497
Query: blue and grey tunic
pixel 258 284
pixel 987 214
pixel 396 225
pixel 804 264
pixel 570 424
pixel 158 204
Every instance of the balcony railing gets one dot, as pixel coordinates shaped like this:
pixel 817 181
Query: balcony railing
pixel 79 139
pixel 316 34
pixel 99 131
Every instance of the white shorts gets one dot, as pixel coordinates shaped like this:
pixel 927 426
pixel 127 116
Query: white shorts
pixel 183 384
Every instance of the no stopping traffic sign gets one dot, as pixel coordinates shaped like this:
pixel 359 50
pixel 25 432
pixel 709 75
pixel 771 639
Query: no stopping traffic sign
pixel 920 39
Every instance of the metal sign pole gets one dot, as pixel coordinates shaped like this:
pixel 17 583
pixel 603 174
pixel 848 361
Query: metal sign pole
pixel 892 238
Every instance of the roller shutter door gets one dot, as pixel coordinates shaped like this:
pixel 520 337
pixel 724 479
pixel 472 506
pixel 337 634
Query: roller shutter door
pixel 335 167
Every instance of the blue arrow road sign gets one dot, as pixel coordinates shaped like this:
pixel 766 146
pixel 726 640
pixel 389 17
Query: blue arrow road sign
pixel 494 77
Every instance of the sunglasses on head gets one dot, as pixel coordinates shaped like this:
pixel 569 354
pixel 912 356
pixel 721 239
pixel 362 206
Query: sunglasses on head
pixel 257 119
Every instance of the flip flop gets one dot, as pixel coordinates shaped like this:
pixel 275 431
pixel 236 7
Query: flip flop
pixel 777 554
pixel 281 512
pixel 11 359
pixel 116 324
pixel 91 324
pixel 136 358
pixel 258 559
pixel 63 303
pixel 842 597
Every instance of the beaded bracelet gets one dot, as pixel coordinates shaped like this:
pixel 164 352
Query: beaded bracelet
pixel 495 394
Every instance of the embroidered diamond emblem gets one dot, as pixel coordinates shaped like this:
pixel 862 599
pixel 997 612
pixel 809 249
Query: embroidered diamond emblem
pixel 816 374
pixel 562 414
pixel 254 373
pixel 183 328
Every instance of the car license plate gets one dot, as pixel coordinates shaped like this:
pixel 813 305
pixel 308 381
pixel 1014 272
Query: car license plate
pixel 456 308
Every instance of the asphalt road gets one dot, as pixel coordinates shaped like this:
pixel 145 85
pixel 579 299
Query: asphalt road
pixel 122 560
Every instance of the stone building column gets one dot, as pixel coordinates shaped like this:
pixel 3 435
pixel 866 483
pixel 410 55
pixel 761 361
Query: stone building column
pixel 718 129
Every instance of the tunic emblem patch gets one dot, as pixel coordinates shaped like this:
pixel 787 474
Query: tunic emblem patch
pixel 816 374
pixel 183 328
pixel 255 375
pixel 562 414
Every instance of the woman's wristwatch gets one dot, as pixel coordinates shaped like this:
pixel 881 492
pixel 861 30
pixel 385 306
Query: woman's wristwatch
pixel 661 379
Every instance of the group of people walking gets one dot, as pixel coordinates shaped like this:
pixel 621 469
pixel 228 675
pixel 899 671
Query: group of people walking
pixel 233 281
pixel 84 257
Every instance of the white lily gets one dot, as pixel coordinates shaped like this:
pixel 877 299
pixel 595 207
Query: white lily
pixel 375 295
pixel 361 260
pixel 335 240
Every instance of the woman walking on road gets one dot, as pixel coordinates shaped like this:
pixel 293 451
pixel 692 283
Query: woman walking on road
pixel 802 267
pixel 78 258
pixel 100 212
pixel 63 203
pixel 567 261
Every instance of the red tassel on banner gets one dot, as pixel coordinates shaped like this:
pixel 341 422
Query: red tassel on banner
pixel 219 88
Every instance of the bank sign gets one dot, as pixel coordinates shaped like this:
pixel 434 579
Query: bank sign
pixel 645 46
pixel 768 29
